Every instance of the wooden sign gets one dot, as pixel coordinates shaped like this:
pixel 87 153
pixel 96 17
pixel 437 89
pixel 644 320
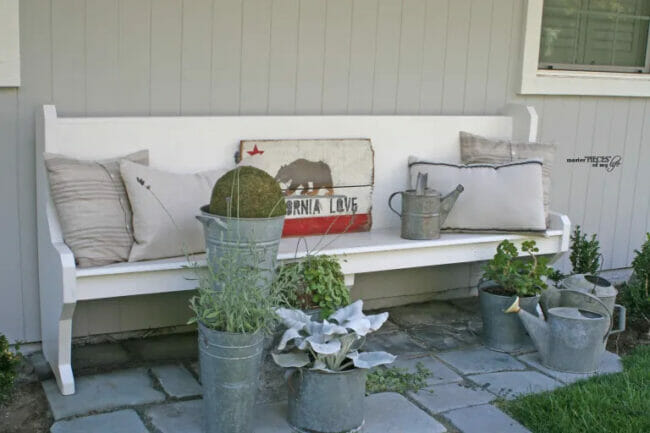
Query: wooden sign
pixel 327 183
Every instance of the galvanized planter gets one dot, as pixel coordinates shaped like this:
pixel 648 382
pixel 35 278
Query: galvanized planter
pixel 230 365
pixel 322 402
pixel 503 332
pixel 254 240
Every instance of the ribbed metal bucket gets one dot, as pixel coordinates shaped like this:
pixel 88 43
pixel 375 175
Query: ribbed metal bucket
pixel 230 366
pixel 420 214
pixel 254 240
pixel 321 402
pixel 503 332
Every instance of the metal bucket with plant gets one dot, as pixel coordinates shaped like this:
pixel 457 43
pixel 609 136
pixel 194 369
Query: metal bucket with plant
pixel 327 371
pixel 505 277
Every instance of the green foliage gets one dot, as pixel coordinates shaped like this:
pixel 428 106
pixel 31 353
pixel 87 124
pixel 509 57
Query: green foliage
pixel 614 403
pixel 394 379
pixel 247 192
pixel 515 276
pixel 556 275
pixel 315 281
pixel 585 253
pixel 635 294
pixel 8 364
pixel 240 305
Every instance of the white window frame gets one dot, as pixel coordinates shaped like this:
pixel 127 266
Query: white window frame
pixel 9 44
pixel 535 81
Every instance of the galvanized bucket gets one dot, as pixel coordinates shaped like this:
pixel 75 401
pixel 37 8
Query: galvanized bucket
pixel 254 240
pixel 230 366
pixel 503 332
pixel 322 402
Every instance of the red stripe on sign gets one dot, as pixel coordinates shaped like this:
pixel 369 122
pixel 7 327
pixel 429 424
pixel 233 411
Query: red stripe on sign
pixel 320 225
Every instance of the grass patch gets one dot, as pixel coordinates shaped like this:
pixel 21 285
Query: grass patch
pixel 617 403
pixel 394 379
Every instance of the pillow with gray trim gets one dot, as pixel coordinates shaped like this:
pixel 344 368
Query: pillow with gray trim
pixel 502 198
pixel 93 208
pixel 475 149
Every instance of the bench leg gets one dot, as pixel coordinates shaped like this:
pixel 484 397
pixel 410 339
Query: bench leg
pixel 349 280
pixel 57 346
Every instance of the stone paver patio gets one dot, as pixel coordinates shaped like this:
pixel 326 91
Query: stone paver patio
pixel 152 385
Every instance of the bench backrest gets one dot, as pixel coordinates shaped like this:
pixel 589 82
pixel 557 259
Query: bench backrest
pixel 190 144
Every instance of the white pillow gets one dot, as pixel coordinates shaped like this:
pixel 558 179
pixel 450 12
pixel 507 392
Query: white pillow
pixel 505 197
pixel 164 208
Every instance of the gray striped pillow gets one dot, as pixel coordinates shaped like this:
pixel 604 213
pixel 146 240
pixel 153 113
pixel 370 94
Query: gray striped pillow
pixel 93 207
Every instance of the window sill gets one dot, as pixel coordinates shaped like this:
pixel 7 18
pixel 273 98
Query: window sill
pixel 547 82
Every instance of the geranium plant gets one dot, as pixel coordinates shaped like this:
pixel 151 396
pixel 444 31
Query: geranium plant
pixel 331 345
pixel 515 276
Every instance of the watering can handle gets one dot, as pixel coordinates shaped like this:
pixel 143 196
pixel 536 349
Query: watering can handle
pixel 390 199
pixel 208 221
pixel 620 323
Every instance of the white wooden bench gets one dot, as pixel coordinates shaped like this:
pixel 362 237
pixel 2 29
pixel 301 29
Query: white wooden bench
pixel 190 144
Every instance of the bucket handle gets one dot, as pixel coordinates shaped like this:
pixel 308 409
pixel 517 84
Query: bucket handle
pixel 390 199
pixel 209 221
pixel 620 323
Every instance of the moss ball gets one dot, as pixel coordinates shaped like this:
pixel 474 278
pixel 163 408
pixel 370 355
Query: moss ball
pixel 247 192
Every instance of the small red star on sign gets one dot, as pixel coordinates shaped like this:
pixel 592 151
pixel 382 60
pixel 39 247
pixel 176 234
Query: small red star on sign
pixel 255 151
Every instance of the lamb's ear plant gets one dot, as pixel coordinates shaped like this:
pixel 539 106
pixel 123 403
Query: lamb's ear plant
pixel 585 252
pixel 514 275
pixel 331 345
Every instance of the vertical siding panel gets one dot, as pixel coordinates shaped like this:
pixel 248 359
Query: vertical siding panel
pixel 580 172
pixel 638 226
pixel 411 52
pixel 497 70
pixel 433 57
pixel 311 54
pixel 226 56
pixel 165 57
pixel 478 57
pixel 609 199
pixel 336 67
pixel 362 56
pixel 11 307
pixel 68 57
pixel 256 36
pixel 389 22
pixel 196 57
pixel 134 56
pixel 513 77
pixel 284 55
pixel 36 89
pixel 628 172
pixel 102 70
pixel 456 57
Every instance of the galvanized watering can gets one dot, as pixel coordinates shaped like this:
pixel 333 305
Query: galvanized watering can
pixel 424 210
pixel 572 338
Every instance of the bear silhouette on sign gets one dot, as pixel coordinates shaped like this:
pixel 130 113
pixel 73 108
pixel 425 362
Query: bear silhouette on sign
pixel 301 172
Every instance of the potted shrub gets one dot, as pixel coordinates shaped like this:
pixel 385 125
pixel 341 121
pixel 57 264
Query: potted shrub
pixel 232 321
pixel 327 379
pixel 314 284
pixel 505 277
pixel 246 213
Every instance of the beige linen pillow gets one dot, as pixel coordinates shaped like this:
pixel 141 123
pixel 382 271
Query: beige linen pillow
pixel 93 207
pixel 164 209
pixel 506 197
pixel 475 149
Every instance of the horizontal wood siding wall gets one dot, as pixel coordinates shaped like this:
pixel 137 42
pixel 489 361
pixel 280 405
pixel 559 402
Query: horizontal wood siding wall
pixel 169 57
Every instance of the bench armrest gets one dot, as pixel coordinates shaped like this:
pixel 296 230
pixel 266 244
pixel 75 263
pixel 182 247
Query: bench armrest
pixel 562 222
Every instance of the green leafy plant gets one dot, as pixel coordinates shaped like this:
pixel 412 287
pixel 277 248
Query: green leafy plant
pixel 515 276
pixel 635 294
pixel 395 379
pixel 8 364
pixel 585 253
pixel 556 275
pixel 315 281
pixel 247 192
pixel 229 297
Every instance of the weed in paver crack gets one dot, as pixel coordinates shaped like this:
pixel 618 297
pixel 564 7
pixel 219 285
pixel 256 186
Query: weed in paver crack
pixel 395 379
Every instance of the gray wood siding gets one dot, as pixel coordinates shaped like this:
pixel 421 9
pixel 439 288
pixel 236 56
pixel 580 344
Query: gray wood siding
pixel 168 57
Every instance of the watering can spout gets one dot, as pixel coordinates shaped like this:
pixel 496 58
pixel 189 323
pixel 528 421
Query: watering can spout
pixel 536 327
pixel 448 202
